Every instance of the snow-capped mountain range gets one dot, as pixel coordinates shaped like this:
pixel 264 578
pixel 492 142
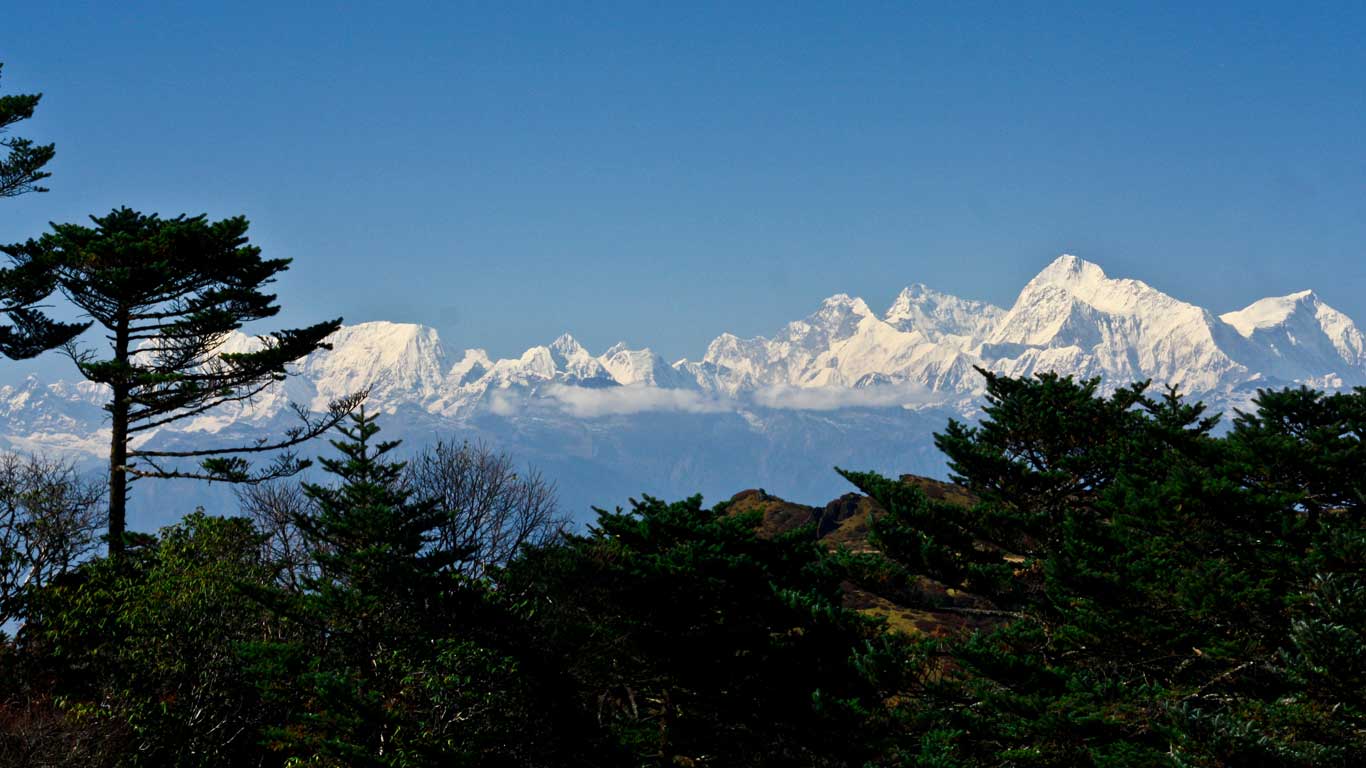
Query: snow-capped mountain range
pixel 842 386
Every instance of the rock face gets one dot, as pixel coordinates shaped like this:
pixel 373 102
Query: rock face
pixel 843 386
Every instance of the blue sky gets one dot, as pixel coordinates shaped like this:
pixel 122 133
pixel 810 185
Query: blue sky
pixel 661 174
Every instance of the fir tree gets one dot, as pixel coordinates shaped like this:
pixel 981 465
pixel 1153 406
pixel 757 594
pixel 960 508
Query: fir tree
pixel 30 332
pixel 371 541
pixel 380 675
pixel 1159 595
pixel 1308 444
pixel 22 169
pixel 169 293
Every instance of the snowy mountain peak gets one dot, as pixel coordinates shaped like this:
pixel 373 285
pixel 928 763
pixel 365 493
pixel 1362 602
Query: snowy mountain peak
pixel 1069 278
pixel 642 367
pixel 1300 331
pixel 843 302
pixel 837 317
pixel 1069 270
pixel 236 342
pixel 476 356
pixel 572 363
pixel 536 361
pixel 1273 310
pixel 399 362
pixel 917 293
pixel 923 353
pixel 470 368
pixel 1072 318
pixel 840 310
pixel 937 314
pixel 567 347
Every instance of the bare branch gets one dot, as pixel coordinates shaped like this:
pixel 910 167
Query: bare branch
pixel 491 510
pixel 50 520
pixel 274 507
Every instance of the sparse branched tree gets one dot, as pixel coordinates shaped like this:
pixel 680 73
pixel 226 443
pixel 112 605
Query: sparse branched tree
pixel 489 509
pixel 50 519
pixel 170 293
pixel 30 332
pixel 274 506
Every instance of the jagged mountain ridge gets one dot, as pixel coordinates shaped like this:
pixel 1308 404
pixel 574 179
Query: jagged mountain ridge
pixel 797 386
pixel 1071 318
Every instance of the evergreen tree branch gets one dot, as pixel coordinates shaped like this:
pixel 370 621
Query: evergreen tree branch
pixel 313 426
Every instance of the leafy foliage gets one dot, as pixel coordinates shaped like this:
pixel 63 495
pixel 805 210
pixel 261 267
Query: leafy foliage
pixel 22 169
pixel 380 672
pixel 149 642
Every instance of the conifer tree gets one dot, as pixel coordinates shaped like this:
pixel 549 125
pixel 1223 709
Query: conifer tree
pixel 30 333
pixel 169 293
pixel 22 169
pixel 371 539
pixel 392 681
pixel 1308 444
pixel 1157 594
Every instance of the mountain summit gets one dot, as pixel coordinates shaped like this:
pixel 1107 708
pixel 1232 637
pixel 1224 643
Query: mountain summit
pixel 1071 318
pixel 764 405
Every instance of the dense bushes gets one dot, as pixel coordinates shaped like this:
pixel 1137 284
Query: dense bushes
pixel 150 643
pixel 1131 588
pixel 692 641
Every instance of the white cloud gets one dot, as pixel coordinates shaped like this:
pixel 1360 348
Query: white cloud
pixel 587 403
pixel 833 398
pixel 501 404
pixel 594 402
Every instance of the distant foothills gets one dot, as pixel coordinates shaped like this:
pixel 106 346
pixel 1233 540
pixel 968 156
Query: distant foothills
pixel 845 386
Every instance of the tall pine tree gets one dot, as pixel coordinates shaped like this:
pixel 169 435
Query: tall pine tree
pixel 169 293
pixel 22 168
pixel 30 332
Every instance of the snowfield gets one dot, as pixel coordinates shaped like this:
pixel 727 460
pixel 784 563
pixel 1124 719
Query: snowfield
pixel 844 386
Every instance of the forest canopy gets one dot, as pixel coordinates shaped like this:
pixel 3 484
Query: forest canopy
pixel 1113 581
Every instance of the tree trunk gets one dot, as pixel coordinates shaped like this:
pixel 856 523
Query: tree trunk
pixel 118 478
pixel 118 447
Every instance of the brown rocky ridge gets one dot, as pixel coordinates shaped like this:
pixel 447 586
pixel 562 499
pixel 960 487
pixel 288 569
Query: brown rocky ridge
pixel 925 607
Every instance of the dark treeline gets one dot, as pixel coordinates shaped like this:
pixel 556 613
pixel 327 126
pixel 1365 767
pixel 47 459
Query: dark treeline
pixel 1135 591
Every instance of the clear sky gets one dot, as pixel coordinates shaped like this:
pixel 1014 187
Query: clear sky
pixel 661 173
